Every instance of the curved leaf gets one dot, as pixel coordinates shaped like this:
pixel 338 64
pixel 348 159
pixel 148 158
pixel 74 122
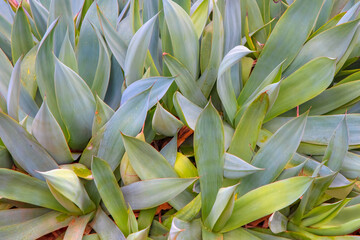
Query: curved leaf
pixel 164 122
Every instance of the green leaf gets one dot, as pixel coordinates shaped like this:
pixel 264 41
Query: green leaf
pixel 187 111
pixel 224 84
pixel 164 122
pixel 332 43
pixel 79 169
pixel 247 130
pixel 47 223
pixel 105 227
pixel 21 37
pixel 20 215
pixel 235 168
pixel 48 133
pixel 45 76
pixel 185 42
pixel 70 87
pixel 232 25
pixel 149 164
pixel 28 73
pixel 134 14
pixel 304 84
pixel 169 151
pixel 278 222
pixel 223 198
pixel 62 11
pixel 333 98
pixel 265 200
pixel 136 53
pixel 32 157
pixel 301 15
pixel 76 228
pixel 40 14
pixel 182 230
pixel 67 54
pixel 185 80
pixel 110 193
pixel 209 155
pixel 88 43
pixel 184 167
pixel 102 74
pixel 280 147
pixel 154 192
pixel 20 187
pixel 291 172
pixel 159 86
pixel 13 95
pixel 115 41
pixel 338 147
pixel 102 114
pixel 208 78
pixel 107 143
pixel 200 16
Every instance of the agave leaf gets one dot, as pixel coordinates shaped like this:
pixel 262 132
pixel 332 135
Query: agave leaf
pixel 68 184
pixel 184 167
pixel 88 44
pixel 235 168
pixel 185 80
pixel 187 111
pixel 209 155
pixel 240 233
pixel 107 143
pixel 182 230
pixel 136 54
pixel 110 193
pixel 102 114
pixel 67 54
pixel 272 197
pixel 288 135
pixel 350 14
pixel 62 11
pixel 20 187
pixel 76 228
pixel 278 222
pixel 21 37
pixel 92 236
pixel 291 172
pixel 200 16
pixel 338 147
pixel 323 213
pixel 142 154
pixel 232 25
pixel 5 158
pixel 187 213
pixel 250 10
pixel 32 157
pixel 146 218
pixel 13 94
pixel 139 235
pixel 105 227
pixel 5 74
pixel 102 74
pixel 339 95
pixel 69 86
pixel 20 215
pixel 350 167
pixel 312 196
pixel 113 96
pixel 332 43
pixel 344 223
pixel 224 84
pixel 48 133
pixel 116 43
pixel 28 72
pixel 154 192
pixel 79 169
pixel 303 83
pixel 208 79
pixel 40 14
pixel 224 196
pixel 45 76
pixel 45 224
pixel 272 55
pixel 247 130
pixel 319 129
pixel 159 86
pixel 170 151
pixel 183 36
pixel 164 122
pixel 135 15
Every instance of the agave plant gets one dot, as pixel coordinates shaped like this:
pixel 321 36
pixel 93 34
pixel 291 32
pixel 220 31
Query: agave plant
pixel 179 119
